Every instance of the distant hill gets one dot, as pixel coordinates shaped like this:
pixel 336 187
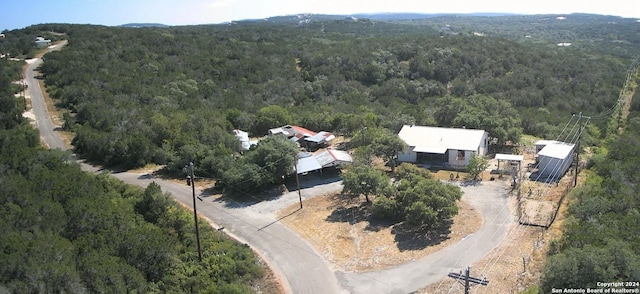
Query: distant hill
pixel 405 16
pixel 309 17
pixel 143 25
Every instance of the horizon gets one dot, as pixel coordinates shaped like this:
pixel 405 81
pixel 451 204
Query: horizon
pixel 197 12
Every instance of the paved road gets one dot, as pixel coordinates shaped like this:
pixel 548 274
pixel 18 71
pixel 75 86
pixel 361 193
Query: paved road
pixel 43 121
pixel 299 267
pixel 294 261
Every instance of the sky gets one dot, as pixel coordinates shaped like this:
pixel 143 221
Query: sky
pixel 19 14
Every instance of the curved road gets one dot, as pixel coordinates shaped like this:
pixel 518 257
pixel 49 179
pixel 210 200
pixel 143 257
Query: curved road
pixel 298 266
pixel 43 121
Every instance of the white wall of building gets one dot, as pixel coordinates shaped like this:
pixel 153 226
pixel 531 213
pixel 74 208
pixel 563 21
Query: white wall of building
pixel 483 149
pixel 550 167
pixel 408 155
pixel 455 160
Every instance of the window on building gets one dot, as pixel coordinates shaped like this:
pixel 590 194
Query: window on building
pixel 460 155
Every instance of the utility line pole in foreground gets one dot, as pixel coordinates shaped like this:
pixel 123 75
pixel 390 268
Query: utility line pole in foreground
pixel 191 181
pixel 466 280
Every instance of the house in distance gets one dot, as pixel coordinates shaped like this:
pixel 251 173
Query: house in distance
pixel 445 147
pixel 310 140
pixel 42 42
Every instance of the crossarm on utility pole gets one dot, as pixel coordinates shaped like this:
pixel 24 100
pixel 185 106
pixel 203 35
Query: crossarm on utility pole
pixel 467 281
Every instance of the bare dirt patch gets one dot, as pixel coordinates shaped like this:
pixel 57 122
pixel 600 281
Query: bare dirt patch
pixel 342 231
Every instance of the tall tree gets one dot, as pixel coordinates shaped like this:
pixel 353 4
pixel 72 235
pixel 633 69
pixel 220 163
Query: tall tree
pixel 387 146
pixel 271 116
pixel 363 180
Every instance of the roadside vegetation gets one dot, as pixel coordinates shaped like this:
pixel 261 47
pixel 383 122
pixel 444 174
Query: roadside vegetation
pixel 600 241
pixel 67 231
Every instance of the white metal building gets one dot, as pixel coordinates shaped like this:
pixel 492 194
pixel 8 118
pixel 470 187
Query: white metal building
pixel 42 42
pixel 449 147
pixel 327 158
pixel 554 159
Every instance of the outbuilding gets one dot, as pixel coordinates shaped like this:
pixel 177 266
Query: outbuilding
pixel 327 158
pixel 447 147
pixel 243 137
pixel 554 159
pixel 319 140
pixel 42 42
pixel 513 162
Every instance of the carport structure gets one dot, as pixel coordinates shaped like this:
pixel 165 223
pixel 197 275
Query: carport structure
pixel 511 159
pixel 328 158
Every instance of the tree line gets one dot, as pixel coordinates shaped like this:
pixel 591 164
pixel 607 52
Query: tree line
pixel 67 231
pixel 600 240
pixel 172 95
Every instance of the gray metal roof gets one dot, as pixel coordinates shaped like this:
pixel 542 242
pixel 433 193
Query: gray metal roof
pixel 308 164
pixel 327 158
pixel 331 157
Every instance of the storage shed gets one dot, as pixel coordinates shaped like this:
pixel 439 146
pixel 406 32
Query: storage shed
pixel 554 160
pixel 327 158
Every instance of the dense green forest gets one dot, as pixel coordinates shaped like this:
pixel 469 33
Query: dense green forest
pixel 172 95
pixel 601 240
pixel 67 231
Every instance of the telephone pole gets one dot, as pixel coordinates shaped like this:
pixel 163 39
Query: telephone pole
pixel 467 281
pixel 295 163
pixel 191 181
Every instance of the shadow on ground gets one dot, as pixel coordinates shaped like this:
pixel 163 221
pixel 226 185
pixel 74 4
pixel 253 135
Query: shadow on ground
pixel 312 179
pixel 350 214
pixel 406 237
pixel 410 238
pixel 233 198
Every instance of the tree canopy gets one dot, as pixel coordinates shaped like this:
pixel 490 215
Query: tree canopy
pixel 170 95
pixel 266 164
pixel 477 164
pixel 412 195
pixel 418 198
pixel 67 231
pixel 600 240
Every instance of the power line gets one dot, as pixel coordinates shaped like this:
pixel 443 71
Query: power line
pixel 575 135
pixel 467 281
pixel 572 137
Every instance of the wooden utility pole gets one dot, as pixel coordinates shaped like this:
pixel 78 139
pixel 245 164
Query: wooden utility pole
pixel 467 281
pixel 191 181
pixel 298 180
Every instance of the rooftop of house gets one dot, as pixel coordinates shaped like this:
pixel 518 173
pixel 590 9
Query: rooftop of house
pixel 291 131
pixel 439 140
